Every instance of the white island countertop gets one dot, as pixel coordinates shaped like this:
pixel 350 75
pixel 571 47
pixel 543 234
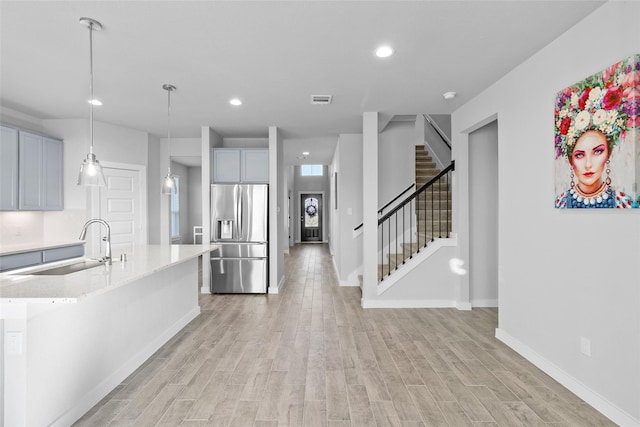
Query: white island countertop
pixel 19 286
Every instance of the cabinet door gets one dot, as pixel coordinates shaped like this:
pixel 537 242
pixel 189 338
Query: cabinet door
pixel 31 191
pixel 8 169
pixel 52 174
pixel 226 165
pixel 255 166
pixel 40 181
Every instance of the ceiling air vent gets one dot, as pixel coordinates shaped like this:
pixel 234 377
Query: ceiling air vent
pixel 321 99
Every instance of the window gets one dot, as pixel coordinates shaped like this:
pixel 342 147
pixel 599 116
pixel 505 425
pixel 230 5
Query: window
pixel 175 211
pixel 311 170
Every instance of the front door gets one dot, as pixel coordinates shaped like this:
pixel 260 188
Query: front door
pixel 311 217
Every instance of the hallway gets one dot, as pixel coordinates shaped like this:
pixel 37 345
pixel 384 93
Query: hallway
pixel 311 356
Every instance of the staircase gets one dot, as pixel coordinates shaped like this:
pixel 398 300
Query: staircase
pixel 433 221
pixel 432 212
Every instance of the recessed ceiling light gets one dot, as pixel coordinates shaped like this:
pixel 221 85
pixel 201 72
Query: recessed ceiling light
pixel 94 102
pixel 449 95
pixel 305 153
pixel 235 101
pixel 384 51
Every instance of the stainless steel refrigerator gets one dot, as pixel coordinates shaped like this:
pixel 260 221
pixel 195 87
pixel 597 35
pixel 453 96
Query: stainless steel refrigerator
pixel 239 225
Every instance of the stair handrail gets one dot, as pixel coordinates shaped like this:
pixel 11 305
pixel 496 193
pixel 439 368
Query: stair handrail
pixel 388 204
pixel 439 131
pixel 416 193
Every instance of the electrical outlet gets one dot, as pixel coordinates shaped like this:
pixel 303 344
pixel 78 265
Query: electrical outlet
pixel 585 346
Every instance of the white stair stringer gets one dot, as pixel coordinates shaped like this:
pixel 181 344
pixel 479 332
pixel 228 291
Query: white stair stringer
pixel 424 281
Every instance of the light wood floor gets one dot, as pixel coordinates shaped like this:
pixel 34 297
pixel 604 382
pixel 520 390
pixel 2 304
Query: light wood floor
pixel 311 356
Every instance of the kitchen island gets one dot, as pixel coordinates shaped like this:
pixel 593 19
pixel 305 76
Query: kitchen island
pixel 69 340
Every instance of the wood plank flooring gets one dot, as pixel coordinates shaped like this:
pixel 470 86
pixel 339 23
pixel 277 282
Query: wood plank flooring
pixel 311 356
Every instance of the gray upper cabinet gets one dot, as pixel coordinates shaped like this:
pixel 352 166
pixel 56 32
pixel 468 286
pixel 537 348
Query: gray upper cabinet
pixel 8 169
pixel 53 174
pixel 255 166
pixel 32 172
pixel 250 165
pixel 226 165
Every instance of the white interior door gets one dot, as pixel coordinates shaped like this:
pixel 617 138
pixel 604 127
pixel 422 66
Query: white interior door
pixel 121 205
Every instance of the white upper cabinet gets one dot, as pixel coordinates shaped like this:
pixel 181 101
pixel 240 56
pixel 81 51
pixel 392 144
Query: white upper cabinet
pixel 246 165
pixel 32 175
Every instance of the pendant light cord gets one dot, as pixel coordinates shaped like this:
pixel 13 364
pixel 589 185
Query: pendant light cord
pixel 169 128
pixel 91 84
pixel 169 88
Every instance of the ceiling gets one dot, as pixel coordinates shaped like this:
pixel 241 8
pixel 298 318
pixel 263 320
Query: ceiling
pixel 271 54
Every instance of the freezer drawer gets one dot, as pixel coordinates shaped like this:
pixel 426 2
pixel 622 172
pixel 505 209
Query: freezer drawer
pixel 240 250
pixel 239 275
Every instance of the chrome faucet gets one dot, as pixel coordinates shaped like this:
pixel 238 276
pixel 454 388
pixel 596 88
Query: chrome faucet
pixel 107 238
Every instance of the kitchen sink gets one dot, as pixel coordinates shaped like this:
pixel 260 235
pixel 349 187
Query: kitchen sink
pixel 69 268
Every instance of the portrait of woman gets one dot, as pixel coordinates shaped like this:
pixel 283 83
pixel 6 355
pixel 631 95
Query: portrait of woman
pixel 597 147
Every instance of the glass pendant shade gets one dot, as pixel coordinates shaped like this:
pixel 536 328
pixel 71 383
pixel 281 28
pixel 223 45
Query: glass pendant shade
pixel 91 172
pixel 169 184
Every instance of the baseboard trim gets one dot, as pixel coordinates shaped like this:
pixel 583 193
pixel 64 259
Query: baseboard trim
pixel 346 284
pixel 279 288
pixel 463 306
pixel 484 303
pixel 602 405
pixel 106 386
pixel 382 303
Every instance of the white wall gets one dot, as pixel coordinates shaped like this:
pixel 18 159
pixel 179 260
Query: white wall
pixel 290 203
pixel 183 173
pixel 111 144
pixel 278 241
pixel 396 144
pixel 346 249
pixel 194 210
pixel 433 143
pixel 209 140
pixel 245 142
pixel 154 177
pixel 563 274
pixel 483 223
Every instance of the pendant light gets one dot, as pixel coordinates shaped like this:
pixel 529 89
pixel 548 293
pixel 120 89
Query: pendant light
pixel 90 170
pixel 169 181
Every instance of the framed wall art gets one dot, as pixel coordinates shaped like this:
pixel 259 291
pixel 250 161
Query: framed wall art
pixel 597 139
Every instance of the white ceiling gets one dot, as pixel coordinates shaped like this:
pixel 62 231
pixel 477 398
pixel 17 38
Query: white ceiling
pixel 272 54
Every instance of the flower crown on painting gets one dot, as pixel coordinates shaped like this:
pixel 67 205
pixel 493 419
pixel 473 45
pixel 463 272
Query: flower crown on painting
pixel 608 101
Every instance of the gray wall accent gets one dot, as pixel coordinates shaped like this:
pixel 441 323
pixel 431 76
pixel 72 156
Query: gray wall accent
pixel 483 222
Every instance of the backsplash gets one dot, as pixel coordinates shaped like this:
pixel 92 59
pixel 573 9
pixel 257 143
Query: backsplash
pixel 17 228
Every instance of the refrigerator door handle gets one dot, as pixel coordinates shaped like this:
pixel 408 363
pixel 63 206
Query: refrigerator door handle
pixel 240 206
